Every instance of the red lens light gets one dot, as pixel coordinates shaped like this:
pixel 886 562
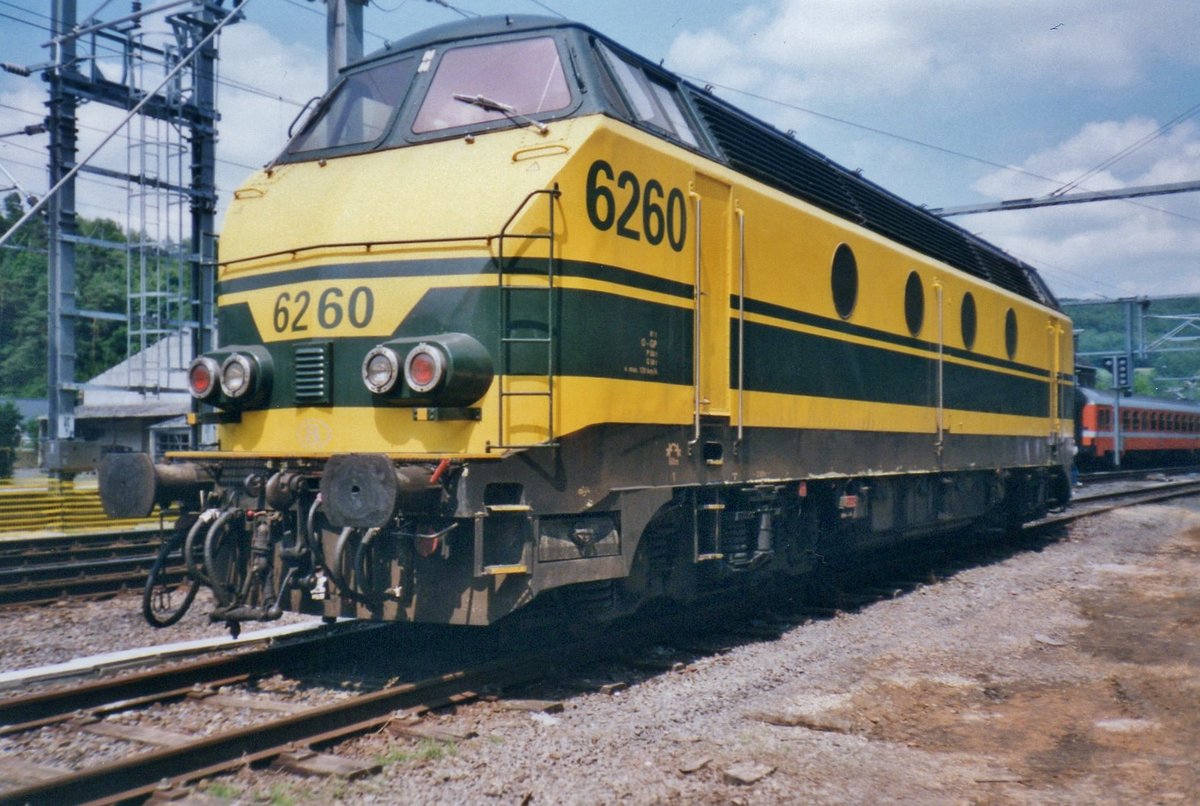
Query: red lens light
pixel 422 369
pixel 200 379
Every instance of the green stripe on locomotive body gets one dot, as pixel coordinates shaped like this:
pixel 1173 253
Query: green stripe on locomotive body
pixel 453 267
pixel 584 345
pixel 850 329
pixel 790 362
pixel 778 359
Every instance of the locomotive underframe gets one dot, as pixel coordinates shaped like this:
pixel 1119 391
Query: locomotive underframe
pixel 491 536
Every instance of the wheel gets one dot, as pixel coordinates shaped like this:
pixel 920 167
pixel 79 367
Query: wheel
pixel 169 591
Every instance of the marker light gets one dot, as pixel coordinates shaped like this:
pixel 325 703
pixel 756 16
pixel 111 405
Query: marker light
pixel 202 377
pixel 381 369
pixel 424 368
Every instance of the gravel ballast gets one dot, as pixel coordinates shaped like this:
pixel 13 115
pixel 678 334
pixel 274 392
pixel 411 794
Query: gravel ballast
pixel 1067 675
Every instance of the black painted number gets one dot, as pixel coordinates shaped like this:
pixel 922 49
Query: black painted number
pixel 291 313
pixel 657 220
pixel 628 180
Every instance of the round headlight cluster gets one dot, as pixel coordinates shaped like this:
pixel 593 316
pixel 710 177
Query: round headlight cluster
pixel 423 369
pixel 381 369
pixel 447 370
pixel 240 379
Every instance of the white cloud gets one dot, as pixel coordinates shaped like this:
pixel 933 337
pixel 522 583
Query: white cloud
pixel 253 128
pixel 1149 245
pixel 991 78
pixel 871 49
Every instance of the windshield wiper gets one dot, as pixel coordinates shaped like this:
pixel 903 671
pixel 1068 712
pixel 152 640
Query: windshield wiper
pixel 509 111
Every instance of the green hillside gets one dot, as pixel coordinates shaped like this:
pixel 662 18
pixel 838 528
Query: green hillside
pixel 1171 369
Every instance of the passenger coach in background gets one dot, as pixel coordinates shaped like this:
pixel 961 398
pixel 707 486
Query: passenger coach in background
pixel 519 315
pixel 1152 431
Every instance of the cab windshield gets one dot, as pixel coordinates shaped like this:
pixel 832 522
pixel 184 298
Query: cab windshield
pixel 519 80
pixel 359 109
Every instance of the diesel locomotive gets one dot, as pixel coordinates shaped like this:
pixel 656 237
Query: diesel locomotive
pixel 518 315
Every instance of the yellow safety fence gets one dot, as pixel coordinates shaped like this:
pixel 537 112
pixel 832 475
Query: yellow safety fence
pixel 50 505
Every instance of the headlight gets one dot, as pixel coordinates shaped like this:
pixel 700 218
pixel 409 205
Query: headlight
pixel 381 369
pixel 237 376
pixel 203 375
pixel 447 371
pixel 424 368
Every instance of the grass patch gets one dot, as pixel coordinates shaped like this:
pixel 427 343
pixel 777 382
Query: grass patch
pixel 426 750
pixel 222 790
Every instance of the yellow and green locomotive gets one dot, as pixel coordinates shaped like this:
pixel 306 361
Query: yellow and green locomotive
pixel 520 315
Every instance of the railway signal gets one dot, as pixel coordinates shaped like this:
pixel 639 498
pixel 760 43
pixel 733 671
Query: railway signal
pixel 1118 365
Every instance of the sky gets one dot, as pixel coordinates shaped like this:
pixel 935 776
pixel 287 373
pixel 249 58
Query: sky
pixel 944 102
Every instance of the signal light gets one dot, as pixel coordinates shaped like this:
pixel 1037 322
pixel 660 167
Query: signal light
pixel 203 375
pixel 424 368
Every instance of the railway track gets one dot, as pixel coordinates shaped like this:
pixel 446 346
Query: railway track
pixel 291 733
pixel 1137 472
pixel 284 731
pixel 1085 504
pixel 36 570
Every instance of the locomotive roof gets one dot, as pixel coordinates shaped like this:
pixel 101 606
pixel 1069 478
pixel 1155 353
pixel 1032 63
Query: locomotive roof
pixel 473 28
pixel 759 150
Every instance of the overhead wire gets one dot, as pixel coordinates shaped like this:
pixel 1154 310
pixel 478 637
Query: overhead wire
pixel 113 50
pixel 126 137
pixel 1129 149
pixel 921 143
pixel 444 4
pixel 545 7
pixel 69 175
pixel 18 19
pixel 403 3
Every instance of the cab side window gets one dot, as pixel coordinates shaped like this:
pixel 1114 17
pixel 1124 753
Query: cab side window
pixel 652 101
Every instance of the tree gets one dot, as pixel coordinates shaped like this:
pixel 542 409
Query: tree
pixel 100 285
pixel 10 438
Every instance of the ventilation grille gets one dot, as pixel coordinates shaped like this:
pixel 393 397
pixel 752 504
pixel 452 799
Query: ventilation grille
pixel 311 362
pixel 761 152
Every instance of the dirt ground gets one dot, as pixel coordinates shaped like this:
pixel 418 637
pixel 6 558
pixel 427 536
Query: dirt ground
pixel 1070 674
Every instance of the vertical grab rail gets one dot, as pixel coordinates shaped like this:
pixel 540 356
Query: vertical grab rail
pixel 506 341
pixel 939 446
pixel 1055 391
pixel 741 356
pixel 697 332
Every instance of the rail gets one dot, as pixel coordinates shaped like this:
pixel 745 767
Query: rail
pixel 186 759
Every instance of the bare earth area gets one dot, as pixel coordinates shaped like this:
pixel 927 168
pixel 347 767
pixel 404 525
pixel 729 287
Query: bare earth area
pixel 1066 675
